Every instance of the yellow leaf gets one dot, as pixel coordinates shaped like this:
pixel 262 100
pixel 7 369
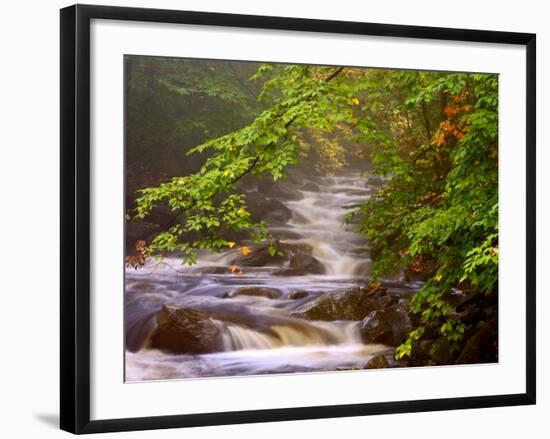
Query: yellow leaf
pixel 355 101
pixel 231 244
pixel 234 268
pixel 245 250
pixel 438 277
pixel 226 173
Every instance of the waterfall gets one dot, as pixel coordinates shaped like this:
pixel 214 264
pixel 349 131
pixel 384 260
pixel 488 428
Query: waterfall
pixel 319 219
pixel 257 332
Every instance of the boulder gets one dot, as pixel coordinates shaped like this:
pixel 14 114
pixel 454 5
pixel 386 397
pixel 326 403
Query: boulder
pixel 302 263
pixel 279 189
pixel 387 326
pixel 268 293
pixel 460 300
pixel 482 346
pixel 297 258
pixel 268 209
pixel 377 362
pixel 441 352
pixel 296 295
pixel 296 175
pixel 322 308
pixel 352 304
pixel 185 331
pixel 260 257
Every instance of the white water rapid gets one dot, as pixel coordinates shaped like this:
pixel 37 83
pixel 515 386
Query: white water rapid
pixel 259 335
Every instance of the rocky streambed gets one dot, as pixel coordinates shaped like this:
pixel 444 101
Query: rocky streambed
pixel 310 308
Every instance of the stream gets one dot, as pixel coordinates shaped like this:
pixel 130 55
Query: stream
pixel 259 335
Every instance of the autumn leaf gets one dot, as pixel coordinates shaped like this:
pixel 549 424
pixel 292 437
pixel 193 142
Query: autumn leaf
pixel 438 277
pixel 231 244
pixel 245 250
pixel 234 268
pixel 355 101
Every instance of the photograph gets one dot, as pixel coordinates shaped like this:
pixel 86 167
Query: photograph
pixel 294 218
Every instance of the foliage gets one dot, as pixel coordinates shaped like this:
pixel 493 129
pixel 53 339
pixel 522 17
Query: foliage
pixel 432 137
pixel 440 205
pixel 206 202
pixel 174 104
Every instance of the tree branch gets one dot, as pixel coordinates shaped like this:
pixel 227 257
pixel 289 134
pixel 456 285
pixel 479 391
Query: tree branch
pixel 257 158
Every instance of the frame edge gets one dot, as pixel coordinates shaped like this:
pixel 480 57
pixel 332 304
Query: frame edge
pixel 67 419
pixel 75 218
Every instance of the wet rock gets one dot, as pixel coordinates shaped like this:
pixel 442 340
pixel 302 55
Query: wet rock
pixel 299 259
pixel 185 331
pixel 266 185
pixel 296 295
pixel 303 261
pixel 260 257
pixel 296 175
pixel 213 269
pixel 471 314
pixel 377 362
pixel 311 187
pixel 322 308
pixel 388 326
pixel 268 293
pixel 268 209
pixel 440 351
pixel 349 305
pixel 279 189
pixel 420 352
pixel 461 299
pixel 386 301
pixel 375 329
pixel 375 289
pixel 404 303
pixel 482 346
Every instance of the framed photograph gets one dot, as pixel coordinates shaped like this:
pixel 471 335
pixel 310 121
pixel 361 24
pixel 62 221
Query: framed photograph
pixel 268 218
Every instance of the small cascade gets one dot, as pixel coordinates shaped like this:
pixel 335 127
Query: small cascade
pixel 319 219
pixel 299 334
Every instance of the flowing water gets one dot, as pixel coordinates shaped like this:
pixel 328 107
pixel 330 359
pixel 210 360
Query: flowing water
pixel 259 336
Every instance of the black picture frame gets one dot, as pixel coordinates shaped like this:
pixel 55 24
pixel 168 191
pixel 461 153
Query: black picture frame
pixel 75 217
